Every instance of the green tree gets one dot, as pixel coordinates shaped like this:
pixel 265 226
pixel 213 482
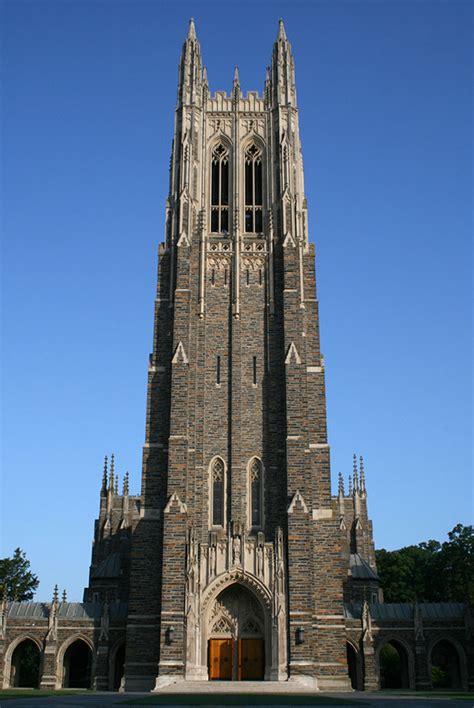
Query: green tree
pixel 431 571
pixel 458 557
pixel 16 577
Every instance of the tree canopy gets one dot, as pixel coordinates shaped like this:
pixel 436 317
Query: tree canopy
pixel 431 571
pixel 16 577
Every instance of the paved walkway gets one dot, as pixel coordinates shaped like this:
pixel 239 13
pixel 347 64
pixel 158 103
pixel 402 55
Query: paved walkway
pixel 108 699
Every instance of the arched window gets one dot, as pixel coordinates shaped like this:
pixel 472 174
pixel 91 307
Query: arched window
pixel 220 189
pixel 253 190
pixel 256 492
pixel 217 492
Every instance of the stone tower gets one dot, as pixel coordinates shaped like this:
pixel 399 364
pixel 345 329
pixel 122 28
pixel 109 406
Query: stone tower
pixel 237 563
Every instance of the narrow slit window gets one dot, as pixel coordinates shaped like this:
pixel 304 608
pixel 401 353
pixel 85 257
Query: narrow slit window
pixel 248 277
pixel 256 493
pixel 260 276
pixel 254 370
pixel 213 277
pixel 225 277
pixel 218 370
pixel 253 190
pixel 220 190
pixel 217 481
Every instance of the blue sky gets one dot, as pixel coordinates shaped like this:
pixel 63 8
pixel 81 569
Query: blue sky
pixel 88 94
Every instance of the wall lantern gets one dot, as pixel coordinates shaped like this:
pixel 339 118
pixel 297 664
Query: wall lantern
pixel 299 635
pixel 169 634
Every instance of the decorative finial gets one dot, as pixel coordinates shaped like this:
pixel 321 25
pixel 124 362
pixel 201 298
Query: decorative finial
pixel 64 597
pixel 350 485
pixel 341 485
pixel 55 595
pixel 125 485
pixel 355 475
pixel 267 74
pixel 236 75
pixel 192 29
pixel 116 486
pixel 362 476
pixel 204 74
pixel 111 474
pixel 104 475
pixel 281 29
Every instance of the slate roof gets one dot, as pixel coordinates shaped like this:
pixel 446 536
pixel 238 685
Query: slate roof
pixel 109 567
pixel 360 569
pixel 69 610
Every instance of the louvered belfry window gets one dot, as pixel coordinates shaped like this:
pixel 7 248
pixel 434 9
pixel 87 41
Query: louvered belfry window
pixel 253 190
pixel 220 190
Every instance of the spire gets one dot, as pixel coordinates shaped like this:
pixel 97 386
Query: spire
pixel 283 71
pixel 281 30
pixel 236 87
pixel 116 485
pixel 355 475
pixel 64 597
pixel 204 75
pixel 341 485
pixel 125 485
pixel 362 476
pixel 104 477
pixel 111 473
pixel 190 71
pixel 350 485
pixel 55 595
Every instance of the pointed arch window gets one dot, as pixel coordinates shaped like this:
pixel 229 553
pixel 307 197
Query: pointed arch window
pixel 220 189
pixel 218 490
pixel 253 190
pixel 256 492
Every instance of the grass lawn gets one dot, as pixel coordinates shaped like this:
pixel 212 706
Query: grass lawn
pixel 255 699
pixel 16 693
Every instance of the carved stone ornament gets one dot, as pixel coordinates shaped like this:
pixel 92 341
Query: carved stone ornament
pixel 253 262
pixel 218 261
pixel 366 623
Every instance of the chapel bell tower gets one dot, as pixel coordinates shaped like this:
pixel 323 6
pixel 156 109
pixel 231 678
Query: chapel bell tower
pixel 236 564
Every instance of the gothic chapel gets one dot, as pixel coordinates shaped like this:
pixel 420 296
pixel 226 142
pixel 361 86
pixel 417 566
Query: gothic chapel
pixel 237 528
pixel 235 563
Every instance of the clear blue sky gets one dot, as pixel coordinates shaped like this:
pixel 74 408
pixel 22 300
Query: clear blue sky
pixel 89 89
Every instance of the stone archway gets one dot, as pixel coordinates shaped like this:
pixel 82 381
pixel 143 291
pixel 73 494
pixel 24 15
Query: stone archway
pixel 446 666
pixel 25 664
pixel 236 636
pixel 77 665
pixel 394 665
pixel 354 667
pixel 117 666
pixel 13 660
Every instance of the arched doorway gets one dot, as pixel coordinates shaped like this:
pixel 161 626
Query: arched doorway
pixel 354 667
pixel 77 665
pixel 236 630
pixel 117 667
pixel 25 665
pixel 445 667
pixel 393 660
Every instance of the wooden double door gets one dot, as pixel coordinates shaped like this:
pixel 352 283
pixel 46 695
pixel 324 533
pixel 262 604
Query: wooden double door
pixel 236 660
